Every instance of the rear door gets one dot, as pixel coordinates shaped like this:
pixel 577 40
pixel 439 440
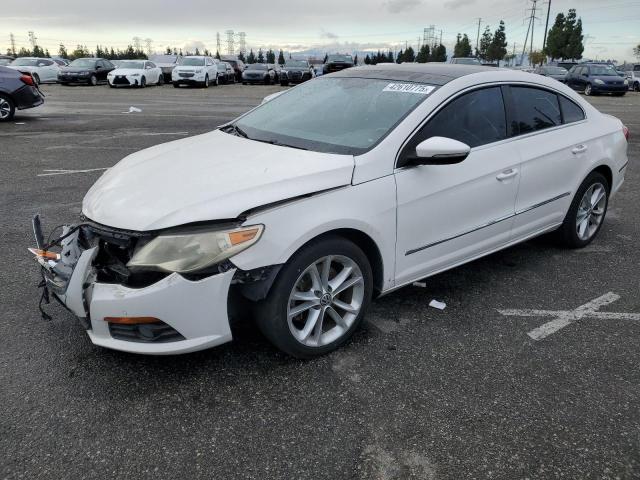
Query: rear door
pixel 448 214
pixel 553 145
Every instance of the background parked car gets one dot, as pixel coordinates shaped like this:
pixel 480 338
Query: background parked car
pixel 18 91
pixel 237 65
pixel 258 73
pixel 596 78
pixel 42 70
pixel 226 74
pixel 557 73
pixel 633 78
pixel 195 70
pixel 166 63
pixel 138 73
pixel 466 61
pixel 5 60
pixel 296 71
pixel 86 70
pixel 336 63
pixel 63 62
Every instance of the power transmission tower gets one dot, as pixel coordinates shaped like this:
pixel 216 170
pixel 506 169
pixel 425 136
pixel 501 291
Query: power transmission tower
pixel 430 36
pixel 12 39
pixel 230 45
pixel 218 44
pixel 546 26
pixel 33 40
pixel 478 36
pixel 149 44
pixel 532 20
pixel 137 43
pixel 243 43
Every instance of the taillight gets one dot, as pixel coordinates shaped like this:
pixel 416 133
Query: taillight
pixel 28 80
pixel 625 130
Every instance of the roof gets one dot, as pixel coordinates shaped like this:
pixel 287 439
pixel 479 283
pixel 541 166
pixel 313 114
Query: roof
pixel 432 73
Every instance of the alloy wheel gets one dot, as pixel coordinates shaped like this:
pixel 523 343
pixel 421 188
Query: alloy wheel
pixel 5 108
pixel 325 300
pixel 591 211
pixel 587 90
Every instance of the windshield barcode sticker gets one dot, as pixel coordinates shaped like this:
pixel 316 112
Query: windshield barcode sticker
pixel 409 88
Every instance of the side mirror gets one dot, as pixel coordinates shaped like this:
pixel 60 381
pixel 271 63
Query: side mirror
pixel 440 151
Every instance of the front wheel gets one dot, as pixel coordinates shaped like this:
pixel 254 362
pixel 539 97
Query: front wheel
pixel 160 80
pixel 636 87
pixel 319 298
pixel 588 91
pixel 206 82
pixel 7 108
pixel 143 82
pixel 176 85
pixel 586 213
pixel 93 80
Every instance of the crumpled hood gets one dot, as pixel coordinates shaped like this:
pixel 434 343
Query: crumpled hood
pixel 214 176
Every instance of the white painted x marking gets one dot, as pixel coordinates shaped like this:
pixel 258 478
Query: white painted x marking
pixel 567 317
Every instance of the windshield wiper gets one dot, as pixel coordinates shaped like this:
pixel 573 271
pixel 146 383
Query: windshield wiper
pixel 236 130
pixel 279 144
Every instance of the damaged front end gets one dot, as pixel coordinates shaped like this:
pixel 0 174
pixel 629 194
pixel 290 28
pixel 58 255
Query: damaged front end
pixel 87 269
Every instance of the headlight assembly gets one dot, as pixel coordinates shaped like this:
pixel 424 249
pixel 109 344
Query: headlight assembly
pixel 597 81
pixel 190 252
pixel 135 75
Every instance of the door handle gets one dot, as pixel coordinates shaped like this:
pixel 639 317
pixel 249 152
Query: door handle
pixel 579 149
pixel 507 174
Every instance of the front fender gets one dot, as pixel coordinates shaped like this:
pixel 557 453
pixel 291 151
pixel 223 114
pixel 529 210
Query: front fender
pixel 369 208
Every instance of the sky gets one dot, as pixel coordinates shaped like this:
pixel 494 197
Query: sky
pixel 611 27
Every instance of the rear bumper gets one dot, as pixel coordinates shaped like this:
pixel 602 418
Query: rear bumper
pixel 194 312
pixel 27 97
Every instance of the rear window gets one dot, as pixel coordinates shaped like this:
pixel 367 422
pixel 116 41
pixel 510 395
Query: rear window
pixel 535 109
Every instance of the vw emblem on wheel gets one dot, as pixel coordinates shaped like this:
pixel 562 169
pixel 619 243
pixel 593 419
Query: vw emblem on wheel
pixel 326 300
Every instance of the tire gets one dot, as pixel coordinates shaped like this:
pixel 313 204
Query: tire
pixel 619 94
pixel 160 80
pixel 217 82
pixel 93 80
pixel 176 84
pixel 36 78
pixel 205 84
pixel 244 83
pixel 284 84
pixel 278 324
pixel 588 91
pixel 569 232
pixel 636 87
pixel 143 82
pixel 111 85
pixel 7 108
pixel 64 83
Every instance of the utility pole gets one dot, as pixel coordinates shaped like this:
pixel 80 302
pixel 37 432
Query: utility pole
pixel 12 39
pixel 478 36
pixel 440 38
pixel 218 45
pixel 149 44
pixel 514 54
pixel 533 23
pixel 33 40
pixel 546 26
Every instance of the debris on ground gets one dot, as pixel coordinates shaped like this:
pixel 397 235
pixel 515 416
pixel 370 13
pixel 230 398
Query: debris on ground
pixel 436 304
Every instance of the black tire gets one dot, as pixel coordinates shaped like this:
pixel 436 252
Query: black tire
pixel 619 94
pixel 205 84
pixel 217 82
pixel 244 83
pixel 160 80
pixel 636 87
pixel 284 84
pixel 176 84
pixel 271 314
pixel 567 233
pixel 93 80
pixel 143 82
pixel 111 85
pixel 64 83
pixel 9 111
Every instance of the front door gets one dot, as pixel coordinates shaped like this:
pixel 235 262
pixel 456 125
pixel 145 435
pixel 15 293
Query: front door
pixel 448 214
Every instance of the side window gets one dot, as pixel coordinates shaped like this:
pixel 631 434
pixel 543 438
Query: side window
pixel 475 118
pixel 151 65
pixel 535 109
pixel 570 111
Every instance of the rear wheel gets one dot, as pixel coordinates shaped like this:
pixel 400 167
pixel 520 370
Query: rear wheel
pixel 636 87
pixel 619 94
pixel 176 84
pixel 206 81
pixel 586 213
pixel 588 91
pixel 93 80
pixel 161 80
pixel 319 298
pixel 7 108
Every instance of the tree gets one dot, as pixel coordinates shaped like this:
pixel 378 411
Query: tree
pixel 498 48
pixel 260 56
pixel 400 56
pixel 37 51
pixel 636 51
pixel 167 51
pixel 424 55
pixel 271 56
pixel 281 58
pixel 462 47
pixel 409 55
pixel 389 57
pixel 367 60
pixel 251 58
pixel 355 60
pixel 218 54
pixel 537 58
pixel 574 46
pixel 556 40
pixel 439 54
pixel 62 51
pixel 485 42
pixel 241 57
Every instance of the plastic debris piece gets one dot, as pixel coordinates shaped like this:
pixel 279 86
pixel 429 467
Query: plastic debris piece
pixel 436 304
pixel 134 110
pixel 420 284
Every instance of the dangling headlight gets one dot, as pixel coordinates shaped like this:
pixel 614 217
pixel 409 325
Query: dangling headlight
pixel 190 252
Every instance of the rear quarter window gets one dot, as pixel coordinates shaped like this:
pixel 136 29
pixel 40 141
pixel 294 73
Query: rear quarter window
pixel 535 109
pixel 570 111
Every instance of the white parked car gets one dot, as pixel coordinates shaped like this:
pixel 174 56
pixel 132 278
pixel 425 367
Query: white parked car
pixel 402 172
pixel 196 70
pixel 137 73
pixel 43 70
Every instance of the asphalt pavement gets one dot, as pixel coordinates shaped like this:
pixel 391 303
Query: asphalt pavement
pixel 419 393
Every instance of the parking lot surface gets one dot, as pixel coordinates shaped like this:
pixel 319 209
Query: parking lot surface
pixel 465 392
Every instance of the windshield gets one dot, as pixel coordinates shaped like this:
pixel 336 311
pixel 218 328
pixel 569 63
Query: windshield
pixel 83 62
pixel 192 62
pixel 222 67
pixel 295 64
pixel 256 66
pixel 603 71
pixel 555 70
pixel 131 64
pixel 350 115
pixel 24 62
pixel 5 61
pixel 467 61
pixel 340 58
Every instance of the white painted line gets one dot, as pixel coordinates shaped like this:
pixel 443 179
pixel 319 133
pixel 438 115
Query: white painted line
pixel 68 172
pixel 160 133
pixel 567 317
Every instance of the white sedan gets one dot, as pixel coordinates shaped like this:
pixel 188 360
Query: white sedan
pixel 407 171
pixel 43 70
pixel 137 73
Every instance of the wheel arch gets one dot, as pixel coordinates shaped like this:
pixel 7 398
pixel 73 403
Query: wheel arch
pixel 605 171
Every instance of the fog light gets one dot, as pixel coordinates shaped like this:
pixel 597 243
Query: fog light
pixel 131 320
